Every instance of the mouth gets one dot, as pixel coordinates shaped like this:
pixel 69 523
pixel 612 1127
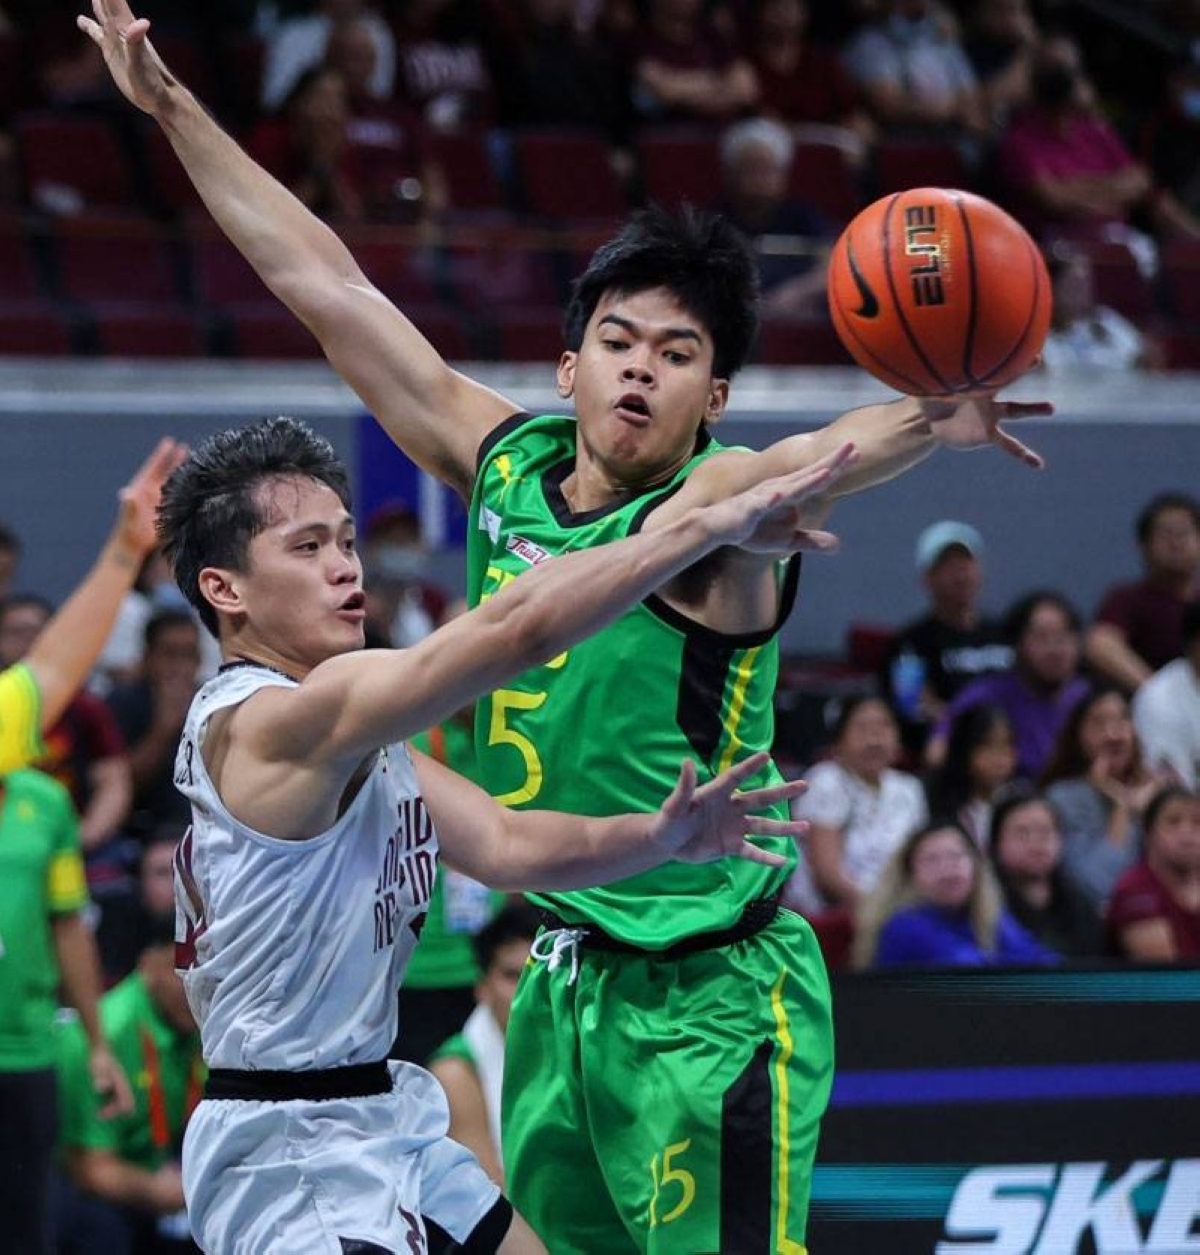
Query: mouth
pixel 633 408
pixel 354 607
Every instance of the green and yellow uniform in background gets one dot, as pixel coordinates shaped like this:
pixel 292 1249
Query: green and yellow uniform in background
pixel 20 717
pixel 165 1071
pixel 684 1091
pixel 41 875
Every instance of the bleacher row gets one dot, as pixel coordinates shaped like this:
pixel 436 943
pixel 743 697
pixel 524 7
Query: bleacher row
pixel 109 275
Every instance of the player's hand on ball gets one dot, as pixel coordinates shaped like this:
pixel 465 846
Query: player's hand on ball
pixel 136 68
pixel 972 420
pixel 701 823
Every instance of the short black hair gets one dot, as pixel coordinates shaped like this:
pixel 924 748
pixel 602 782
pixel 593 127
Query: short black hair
pixel 700 258
pixel 514 922
pixel 1165 501
pixel 163 621
pixel 1016 621
pixel 10 542
pixel 210 510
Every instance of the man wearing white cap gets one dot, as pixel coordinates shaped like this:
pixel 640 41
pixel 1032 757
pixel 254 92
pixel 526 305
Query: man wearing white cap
pixel 934 657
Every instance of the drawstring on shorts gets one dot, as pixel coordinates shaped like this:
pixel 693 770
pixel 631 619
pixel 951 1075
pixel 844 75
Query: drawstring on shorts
pixel 551 948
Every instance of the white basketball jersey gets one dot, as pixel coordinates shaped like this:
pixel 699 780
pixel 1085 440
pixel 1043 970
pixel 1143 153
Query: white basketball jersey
pixel 291 952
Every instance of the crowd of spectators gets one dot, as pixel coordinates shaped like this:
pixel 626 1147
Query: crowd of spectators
pixel 1012 822
pixel 432 129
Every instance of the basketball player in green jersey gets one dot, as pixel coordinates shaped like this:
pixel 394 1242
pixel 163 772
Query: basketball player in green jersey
pixel 671 1051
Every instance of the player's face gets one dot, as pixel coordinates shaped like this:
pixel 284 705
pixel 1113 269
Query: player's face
pixel 1175 838
pixel 642 383
pixel 955 579
pixel 302 587
pixel 1029 844
pixel 498 986
pixel 943 870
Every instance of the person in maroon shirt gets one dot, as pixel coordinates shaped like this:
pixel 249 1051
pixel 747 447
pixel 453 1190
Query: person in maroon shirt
pixel 1154 915
pixel 1139 626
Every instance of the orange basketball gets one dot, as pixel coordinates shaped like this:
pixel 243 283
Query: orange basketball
pixel 937 291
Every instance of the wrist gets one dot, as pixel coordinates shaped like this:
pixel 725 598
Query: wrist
pixel 120 552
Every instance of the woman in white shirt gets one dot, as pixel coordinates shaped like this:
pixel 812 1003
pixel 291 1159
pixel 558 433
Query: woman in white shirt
pixel 860 808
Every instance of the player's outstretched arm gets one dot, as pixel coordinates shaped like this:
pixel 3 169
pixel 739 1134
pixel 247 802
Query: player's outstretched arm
pixel 68 646
pixel 437 416
pixel 890 438
pixel 547 850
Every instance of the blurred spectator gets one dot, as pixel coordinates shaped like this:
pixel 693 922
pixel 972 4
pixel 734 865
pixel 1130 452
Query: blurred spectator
pixel 129 919
pixel 402 605
pixel 1139 626
pixel 444 73
pixel 439 990
pixel 1154 915
pixel 1027 852
pixel 860 809
pixel 386 138
pixel 937 904
pixel 1084 335
pixel 1166 709
pixel 470 1065
pixel 299 44
pixel 150 712
pixel 10 560
pixel 981 757
pixel 308 147
pixel 1173 143
pixel 801 83
pixel 128 1188
pixel 1099 787
pixel 686 70
pixel 914 74
pixel 756 157
pixel 1066 169
pixel 932 659
pixel 1042 687
pixel 548 73
pixel 1000 45
pixel 84 750
pixel 43 895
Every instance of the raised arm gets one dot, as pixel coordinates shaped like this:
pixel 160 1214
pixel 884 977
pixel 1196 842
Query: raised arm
pixel 437 416
pixel 68 646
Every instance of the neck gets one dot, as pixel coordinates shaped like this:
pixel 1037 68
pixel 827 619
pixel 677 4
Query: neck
pixel 592 485
pixel 1036 890
pixel 238 649
pixel 1180 584
pixel 961 617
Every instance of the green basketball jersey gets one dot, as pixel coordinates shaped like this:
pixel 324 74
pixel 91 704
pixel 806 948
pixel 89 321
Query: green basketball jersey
pixel 603 729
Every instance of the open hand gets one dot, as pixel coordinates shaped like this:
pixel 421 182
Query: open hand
pixel 973 420
pixel 136 68
pixel 698 824
pixel 135 527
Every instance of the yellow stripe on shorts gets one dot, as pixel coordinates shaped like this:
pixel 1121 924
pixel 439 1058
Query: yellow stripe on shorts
pixel 783 1244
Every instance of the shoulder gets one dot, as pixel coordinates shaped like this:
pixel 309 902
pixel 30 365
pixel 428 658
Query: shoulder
pixel 519 432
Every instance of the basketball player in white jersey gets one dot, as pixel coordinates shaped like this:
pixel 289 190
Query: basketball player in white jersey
pixel 303 881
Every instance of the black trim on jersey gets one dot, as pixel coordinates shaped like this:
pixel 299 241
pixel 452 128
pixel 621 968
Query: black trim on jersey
pixel 746 1153
pixel 239 663
pixel 701 693
pixel 493 438
pixel 484 1239
pixel 735 640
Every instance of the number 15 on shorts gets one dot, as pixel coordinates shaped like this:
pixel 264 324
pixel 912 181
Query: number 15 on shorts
pixel 674 1186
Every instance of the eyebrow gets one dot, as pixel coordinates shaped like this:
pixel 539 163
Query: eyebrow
pixel 669 333
pixel 317 525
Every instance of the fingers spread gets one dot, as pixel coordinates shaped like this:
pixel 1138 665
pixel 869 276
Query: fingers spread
pixel 764 827
pixel 90 28
pixel 738 772
pixel 752 854
pixel 1022 452
pixel 756 799
pixel 816 541
pixel 1026 409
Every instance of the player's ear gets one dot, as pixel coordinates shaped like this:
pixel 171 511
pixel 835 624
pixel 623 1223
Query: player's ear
pixel 566 374
pixel 718 396
pixel 219 589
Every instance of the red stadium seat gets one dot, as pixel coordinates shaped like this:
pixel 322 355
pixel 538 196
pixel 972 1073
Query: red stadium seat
pixel 1181 278
pixel 33 329
pixel 680 165
pixel 102 261
pixel 471 179
pixel 220 275
pixel 867 645
pixel 147 331
pixel 18 275
pixel 445 330
pixel 269 331
pixel 822 177
pixel 568 175
pixel 488 275
pixel 530 335
pixel 800 342
pixel 69 159
pixel 188 60
pixel 403 273
pixel 1180 348
pixel 901 164
pixel 172 189
pixel 1119 283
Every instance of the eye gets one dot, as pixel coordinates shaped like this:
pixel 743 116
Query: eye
pixel 613 346
pixel 676 358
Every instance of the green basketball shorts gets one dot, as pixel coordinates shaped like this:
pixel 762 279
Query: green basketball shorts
pixel 669 1105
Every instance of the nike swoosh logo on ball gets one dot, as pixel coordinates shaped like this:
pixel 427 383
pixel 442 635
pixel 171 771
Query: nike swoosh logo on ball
pixel 870 306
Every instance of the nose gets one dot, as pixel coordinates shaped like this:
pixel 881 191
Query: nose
pixel 637 369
